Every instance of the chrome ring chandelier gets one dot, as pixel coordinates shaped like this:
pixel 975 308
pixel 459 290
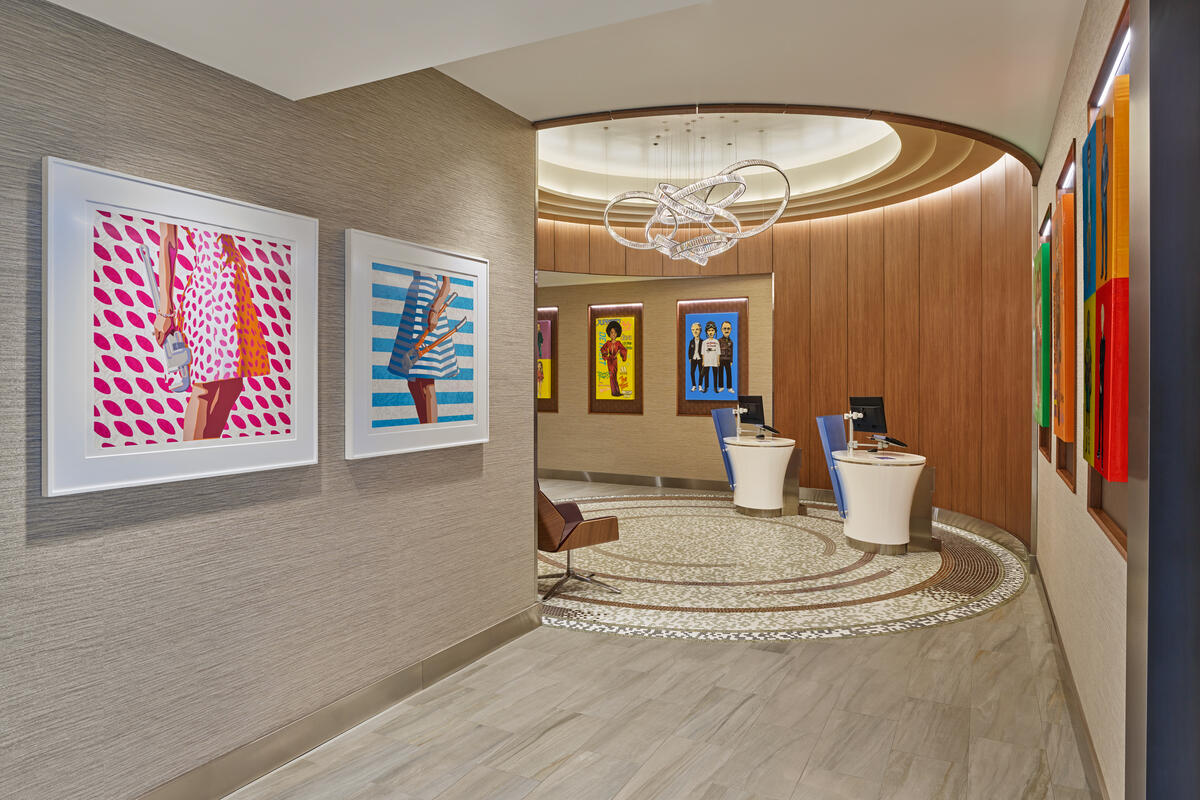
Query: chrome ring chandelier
pixel 675 205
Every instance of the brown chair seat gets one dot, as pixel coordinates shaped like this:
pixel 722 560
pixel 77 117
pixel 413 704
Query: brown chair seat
pixel 561 527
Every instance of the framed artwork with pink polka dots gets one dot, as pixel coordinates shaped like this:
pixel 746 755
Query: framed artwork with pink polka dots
pixel 179 333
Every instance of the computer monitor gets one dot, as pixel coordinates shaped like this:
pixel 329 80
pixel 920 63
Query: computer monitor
pixel 871 409
pixel 753 403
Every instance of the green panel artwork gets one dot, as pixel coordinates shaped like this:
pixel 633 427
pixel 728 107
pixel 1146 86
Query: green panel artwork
pixel 1041 335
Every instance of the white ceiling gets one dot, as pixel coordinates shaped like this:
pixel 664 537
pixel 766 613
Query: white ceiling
pixel 995 66
pixel 300 48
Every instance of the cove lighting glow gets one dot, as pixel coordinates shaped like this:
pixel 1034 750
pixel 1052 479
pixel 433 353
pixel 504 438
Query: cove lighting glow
pixel 1068 180
pixel 1112 76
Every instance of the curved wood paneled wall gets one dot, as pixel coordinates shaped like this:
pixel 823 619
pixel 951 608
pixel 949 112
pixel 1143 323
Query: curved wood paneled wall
pixel 925 302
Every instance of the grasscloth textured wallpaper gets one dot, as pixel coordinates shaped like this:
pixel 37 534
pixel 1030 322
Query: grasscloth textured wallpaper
pixel 144 632
pixel 656 442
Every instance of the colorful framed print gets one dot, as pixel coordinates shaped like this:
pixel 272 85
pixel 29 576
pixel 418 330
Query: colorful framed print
pixel 712 343
pixel 416 347
pixel 1041 335
pixel 1063 343
pixel 1106 287
pixel 615 359
pixel 179 333
pixel 546 363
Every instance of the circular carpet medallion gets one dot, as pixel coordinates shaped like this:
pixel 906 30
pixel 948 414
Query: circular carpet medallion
pixel 693 568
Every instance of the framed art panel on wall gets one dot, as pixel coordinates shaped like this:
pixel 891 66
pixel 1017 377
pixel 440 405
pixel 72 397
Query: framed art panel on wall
pixel 546 366
pixel 712 364
pixel 179 333
pixel 1106 287
pixel 615 359
pixel 416 347
pixel 1041 335
pixel 1063 343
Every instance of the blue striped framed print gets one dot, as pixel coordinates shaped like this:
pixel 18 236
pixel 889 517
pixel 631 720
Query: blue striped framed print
pixel 416 347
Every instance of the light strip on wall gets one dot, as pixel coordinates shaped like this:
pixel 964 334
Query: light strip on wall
pixel 1112 76
pixel 1068 180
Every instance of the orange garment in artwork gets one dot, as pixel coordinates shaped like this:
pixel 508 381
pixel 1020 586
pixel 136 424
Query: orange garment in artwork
pixel 217 315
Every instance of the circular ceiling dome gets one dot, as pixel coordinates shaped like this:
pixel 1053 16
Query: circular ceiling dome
pixel 833 164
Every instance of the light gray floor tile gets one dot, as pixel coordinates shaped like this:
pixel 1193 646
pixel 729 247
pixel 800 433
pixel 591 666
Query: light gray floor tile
pixel 549 742
pixel 821 784
pixel 757 671
pixel 721 716
pixel 1004 771
pixel 767 761
pixel 1062 753
pixel 585 776
pixel 676 771
pixel 913 777
pixel 878 692
pixel 636 733
pixel 934 730
pixel 434 767
pixel 801 705
pixel 1009 717
pixel 946 682
pixel 490 783
pixel 854 744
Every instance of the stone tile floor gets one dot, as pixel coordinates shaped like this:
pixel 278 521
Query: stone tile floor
pixel 973 709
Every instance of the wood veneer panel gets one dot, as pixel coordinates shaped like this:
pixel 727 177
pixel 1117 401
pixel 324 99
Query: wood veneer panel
pixel 544 245
pixel 1019 372
pixel 902 321
pixel 641 262
pixel 754 255
pixel 724 264
pixel 792 410
pixel 995 348
pixel 682 267
pixel 606 256
pixel 864 303
pixel 827 307
pixel 938 440
pixel 966 347
pixel 571 245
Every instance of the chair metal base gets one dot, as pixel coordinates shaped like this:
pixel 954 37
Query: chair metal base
pixel 572 574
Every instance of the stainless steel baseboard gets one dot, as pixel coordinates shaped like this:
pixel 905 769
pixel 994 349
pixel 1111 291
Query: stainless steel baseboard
pixel 876 548
pixel 239 767
pixel 633 480
pixel 758 512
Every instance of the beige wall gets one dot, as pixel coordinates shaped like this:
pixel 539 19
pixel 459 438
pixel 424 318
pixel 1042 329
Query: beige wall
pixel 1085 575
pixel 145 631
pixel 656 442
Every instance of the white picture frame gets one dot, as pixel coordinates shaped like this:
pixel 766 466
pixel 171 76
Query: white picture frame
pixel 389 283
pixel 85 395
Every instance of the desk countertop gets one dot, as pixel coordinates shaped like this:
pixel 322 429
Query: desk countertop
pixel 887 458
pixel 754 441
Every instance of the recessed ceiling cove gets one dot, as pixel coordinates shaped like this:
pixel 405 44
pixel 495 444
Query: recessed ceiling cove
pixel 833 164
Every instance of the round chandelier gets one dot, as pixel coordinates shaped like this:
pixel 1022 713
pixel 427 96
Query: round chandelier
pixel 691 204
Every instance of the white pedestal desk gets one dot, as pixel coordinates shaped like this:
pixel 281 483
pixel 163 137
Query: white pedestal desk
pixel 879 496
pixel 759 469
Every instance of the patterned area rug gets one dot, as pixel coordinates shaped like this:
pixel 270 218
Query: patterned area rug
pixel 693 568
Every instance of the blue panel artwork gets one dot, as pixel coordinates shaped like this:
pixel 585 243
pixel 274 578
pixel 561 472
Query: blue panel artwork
pixel 710 356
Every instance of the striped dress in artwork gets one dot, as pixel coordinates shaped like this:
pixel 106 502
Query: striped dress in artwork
pixel 441 361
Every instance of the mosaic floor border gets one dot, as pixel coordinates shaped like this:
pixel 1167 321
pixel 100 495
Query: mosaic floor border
pixel 1012 580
